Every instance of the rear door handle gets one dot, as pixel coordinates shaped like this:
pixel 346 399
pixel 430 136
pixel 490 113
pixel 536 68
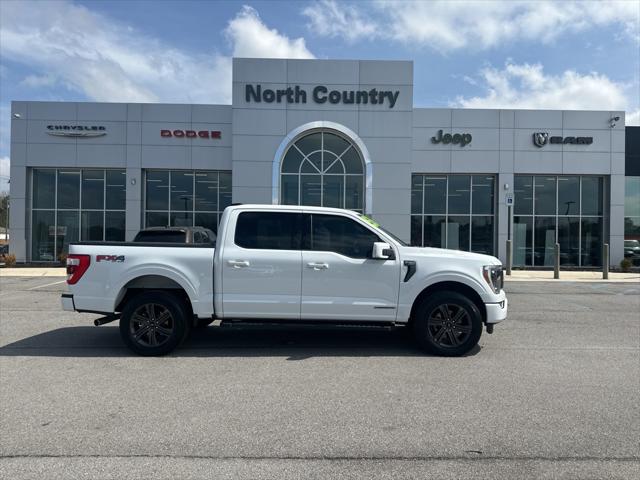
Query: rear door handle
pixel 318 266
pixel 238 263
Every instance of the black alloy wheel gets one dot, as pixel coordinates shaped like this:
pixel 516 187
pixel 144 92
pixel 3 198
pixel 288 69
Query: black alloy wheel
pixel 154 323
pixel 151 325
pixel 447 323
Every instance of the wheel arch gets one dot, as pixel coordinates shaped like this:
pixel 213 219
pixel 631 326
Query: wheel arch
pixel 150 282
pixel 450 286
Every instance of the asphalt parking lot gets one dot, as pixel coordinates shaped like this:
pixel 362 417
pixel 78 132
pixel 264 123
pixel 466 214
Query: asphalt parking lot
pixel 553 393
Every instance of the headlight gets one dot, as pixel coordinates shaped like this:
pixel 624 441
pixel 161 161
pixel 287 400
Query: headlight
pixel 494 276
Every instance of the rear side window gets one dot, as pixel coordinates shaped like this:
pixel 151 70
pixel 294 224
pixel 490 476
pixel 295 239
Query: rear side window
pixel 342 235
pixel 269 230
pixel 169 236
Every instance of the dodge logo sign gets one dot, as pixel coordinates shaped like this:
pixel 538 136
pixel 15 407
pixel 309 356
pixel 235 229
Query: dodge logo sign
pixel 213 134
pixel 540 139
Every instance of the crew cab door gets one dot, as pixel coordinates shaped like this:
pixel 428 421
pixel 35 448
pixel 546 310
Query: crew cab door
pixel 340 280
pixel 262 266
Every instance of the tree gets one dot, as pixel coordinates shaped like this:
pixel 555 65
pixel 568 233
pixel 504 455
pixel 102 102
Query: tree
pixel 4 210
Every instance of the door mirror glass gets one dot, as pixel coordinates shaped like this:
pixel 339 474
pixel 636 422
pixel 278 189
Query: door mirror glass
pixel 382 251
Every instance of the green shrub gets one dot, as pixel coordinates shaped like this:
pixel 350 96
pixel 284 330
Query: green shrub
pixel 625 264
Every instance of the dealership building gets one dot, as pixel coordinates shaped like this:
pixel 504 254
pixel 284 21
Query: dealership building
pixel 325 132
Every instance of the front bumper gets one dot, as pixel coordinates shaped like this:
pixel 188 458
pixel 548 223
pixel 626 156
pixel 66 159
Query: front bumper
pixel 67 302
pixel 496 312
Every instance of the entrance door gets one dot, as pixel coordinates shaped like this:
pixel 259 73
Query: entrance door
pixel 263 266
pixel 340 280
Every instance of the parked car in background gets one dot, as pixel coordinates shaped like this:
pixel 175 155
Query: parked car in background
pixel 4 249
pixel 198 235
pixel 632 251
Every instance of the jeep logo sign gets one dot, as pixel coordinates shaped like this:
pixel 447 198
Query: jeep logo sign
pixel 461 139
pixel 540 139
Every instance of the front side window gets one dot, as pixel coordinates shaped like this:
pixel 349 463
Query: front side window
pixel 323 169
pixel 269 230
pixel 332 233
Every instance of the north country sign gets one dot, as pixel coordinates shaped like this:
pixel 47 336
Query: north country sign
pixel 540 139
pixel 76 130
pixel 320 94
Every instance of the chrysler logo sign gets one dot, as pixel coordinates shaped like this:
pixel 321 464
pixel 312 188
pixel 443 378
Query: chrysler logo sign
pixel 83 131
pixel 540 139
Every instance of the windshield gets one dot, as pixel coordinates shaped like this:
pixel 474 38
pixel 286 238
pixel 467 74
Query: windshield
pixel 372 222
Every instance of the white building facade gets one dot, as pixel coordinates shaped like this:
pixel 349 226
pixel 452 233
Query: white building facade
pixel 322 132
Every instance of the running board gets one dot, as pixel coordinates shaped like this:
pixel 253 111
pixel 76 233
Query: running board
pixel 309 323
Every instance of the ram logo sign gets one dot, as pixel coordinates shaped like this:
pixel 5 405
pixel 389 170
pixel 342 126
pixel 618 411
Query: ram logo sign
pixel 540 139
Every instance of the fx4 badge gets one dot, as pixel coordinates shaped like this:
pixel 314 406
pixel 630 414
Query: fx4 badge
pixel 110 258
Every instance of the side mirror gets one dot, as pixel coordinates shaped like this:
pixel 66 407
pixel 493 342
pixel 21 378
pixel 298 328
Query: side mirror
pixel 383 251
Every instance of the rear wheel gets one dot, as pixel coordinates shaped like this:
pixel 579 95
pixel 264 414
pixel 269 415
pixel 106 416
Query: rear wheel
pixel 447 324
pixel 154 323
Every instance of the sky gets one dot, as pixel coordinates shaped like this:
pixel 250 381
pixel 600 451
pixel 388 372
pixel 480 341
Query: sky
pixel 582 55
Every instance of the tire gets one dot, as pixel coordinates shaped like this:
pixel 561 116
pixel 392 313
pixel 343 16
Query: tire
pixel 447 324
pixel 154 323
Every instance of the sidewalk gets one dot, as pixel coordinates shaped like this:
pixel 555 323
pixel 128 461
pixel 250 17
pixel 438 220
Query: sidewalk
pixel 569 276
pixel 33 272
pixel 516 275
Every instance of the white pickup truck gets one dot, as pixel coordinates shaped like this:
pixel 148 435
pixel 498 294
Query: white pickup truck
pixel 287 264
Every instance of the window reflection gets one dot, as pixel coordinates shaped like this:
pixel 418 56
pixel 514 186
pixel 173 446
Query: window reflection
pixel 186 198
pixel 453 211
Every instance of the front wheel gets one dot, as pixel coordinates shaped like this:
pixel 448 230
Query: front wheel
pixel 447 324
pixel 153 323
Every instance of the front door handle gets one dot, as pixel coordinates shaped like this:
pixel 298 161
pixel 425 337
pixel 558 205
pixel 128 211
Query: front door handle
pixel 238 263
pixel 318 266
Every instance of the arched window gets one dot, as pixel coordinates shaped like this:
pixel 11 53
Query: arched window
pixel 322 169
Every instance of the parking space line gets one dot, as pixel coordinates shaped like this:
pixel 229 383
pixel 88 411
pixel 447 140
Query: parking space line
pixel 47 285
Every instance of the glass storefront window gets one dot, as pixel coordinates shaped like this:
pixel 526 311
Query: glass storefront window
pixel 453 211
pixel 544 195
pixel 632 208
pixel 322 169
pixel 186 198
pixel 567 210
pixel 523 195
pixel 68 205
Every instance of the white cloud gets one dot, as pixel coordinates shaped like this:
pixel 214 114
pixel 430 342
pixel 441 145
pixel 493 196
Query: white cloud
pixel 109 61
pixel 39 81
pixel 527 86
pixel 633 118
pixel 250 37
pixel 447 25
pixel 330 19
